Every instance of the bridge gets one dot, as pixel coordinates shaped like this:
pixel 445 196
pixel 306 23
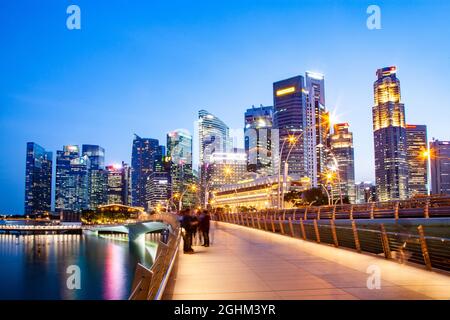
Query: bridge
pixel 135 231
pixel 282 255
pixel 251 263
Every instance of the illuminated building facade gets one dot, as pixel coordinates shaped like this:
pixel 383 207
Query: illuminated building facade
pixel 97 175
pixel 258 139
pixel 118 188
pixel 417 146
pixel 259 193
pixel 179 153
pixel 440 167
pixel 213 136
pixel 227 168
pixel 318 127
pixel 290 119
pixel 342 149
pixel 38 179
pixel 389 129
pixel 365 192
pixel 158 190
pixel 72 180
pixel 144 155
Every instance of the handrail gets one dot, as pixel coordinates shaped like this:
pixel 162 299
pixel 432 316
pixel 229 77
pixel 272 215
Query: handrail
pixel 153 281
pixel 429 251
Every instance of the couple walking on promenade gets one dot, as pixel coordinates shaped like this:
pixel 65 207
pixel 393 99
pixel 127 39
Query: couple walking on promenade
pixel 193 223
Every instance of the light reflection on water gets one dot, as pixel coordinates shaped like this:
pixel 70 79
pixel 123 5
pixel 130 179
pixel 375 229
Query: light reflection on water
pixel 34 266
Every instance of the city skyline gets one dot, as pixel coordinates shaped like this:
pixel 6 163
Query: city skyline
pixel 34 99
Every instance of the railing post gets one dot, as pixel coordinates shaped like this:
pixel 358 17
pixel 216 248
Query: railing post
pixel 397 205
pixel 424 246
pixel 318 213
pixel 356 237
pixel 284 215
pixel 280 222
pixel 253 221
pixel 291 227
pixel 316 229
pixel 333 217
pixel 372 208
pixel 257 221
pixel 246 218
pixel 305 217
pixel 293 215
pixel 333 232
pixel 273 224
pixel 385 242
pixel 265 222
pixel 426 209
pixel 302 228
pixel 351 212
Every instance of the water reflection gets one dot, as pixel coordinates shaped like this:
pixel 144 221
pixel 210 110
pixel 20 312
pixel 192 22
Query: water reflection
pixel 34 266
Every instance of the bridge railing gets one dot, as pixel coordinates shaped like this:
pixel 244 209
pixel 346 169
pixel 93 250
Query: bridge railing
pixel 378 239
pixel 425 207
pixel 150 283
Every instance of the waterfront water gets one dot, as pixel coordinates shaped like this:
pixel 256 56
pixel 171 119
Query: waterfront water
pixel 35 266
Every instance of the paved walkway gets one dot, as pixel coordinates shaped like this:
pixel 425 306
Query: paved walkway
pixel 245 263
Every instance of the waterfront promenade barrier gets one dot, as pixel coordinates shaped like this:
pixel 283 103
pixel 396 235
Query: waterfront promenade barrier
pixel 416 247
pixel 33 228
pixel 422 207
pixel 150 283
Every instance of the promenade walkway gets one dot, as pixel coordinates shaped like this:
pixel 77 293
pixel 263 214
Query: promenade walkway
pixel 245 263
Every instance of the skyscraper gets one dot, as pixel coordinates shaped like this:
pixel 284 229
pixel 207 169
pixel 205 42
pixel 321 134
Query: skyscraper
pixel 440 167
pixel 118 188
pixel 258 139
pixel 144 154
pixel 179 153
pixel 342 149
pixel 97 175
pixel 38 179
pixel 290 119
pixel 213 137
pixel 318 127
pixel 389 130
pixel 72 180
pixel 416 141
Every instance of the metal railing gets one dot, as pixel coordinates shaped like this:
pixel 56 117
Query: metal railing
pixel 377 239
pixel 423 207
pixel 149 284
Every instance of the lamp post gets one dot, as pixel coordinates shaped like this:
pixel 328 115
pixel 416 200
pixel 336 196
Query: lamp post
pixel 193 188
pixel 292 140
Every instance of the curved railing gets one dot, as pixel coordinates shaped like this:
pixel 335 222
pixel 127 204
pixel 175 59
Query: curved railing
pixel 149 284
pixel 360 235
pixel 422 207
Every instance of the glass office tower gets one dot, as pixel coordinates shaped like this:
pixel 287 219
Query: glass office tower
pixel 389 130
pixel 440 167
pixel 341 142
pixel 38 179
pixel 97 175
pixel 144 154
pixel 258 139
pixel 416 140
pixel 289 98
pixel 72 180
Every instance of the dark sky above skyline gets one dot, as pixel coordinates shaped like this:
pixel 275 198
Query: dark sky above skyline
pixel 147 67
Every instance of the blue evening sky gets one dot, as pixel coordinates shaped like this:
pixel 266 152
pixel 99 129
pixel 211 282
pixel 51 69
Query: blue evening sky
pixel 147 67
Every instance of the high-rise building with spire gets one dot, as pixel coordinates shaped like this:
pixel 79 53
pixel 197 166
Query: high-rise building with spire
pixel 389 130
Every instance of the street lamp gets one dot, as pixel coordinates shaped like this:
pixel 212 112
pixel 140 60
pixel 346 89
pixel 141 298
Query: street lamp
pixel 192 187
pixel 292 140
